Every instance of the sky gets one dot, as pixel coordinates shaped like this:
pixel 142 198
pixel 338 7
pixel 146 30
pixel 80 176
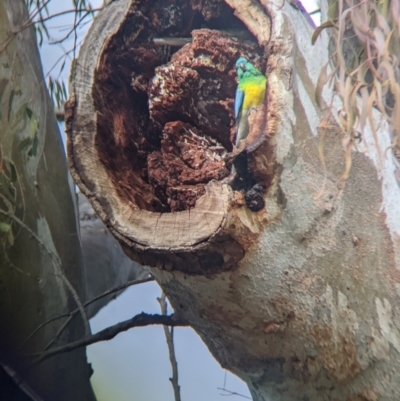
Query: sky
pixel 135 364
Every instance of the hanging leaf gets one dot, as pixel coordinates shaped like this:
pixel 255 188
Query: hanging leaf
pixel 379 98
pixel 46 31
pixel 4 227
pixel 62 66
pixel 33 127
pixel 24 143
pixel 21 113
pixel 6 188
pixel 381 20
pixel 318 30
pixel 10 237
pixel 386 46
pixel 46 8
pixel 39 35
pixel 12 170
pixel 33 149
pixel 379 41
pixel 29 112
pixel 32 141
pixel 322 79
pixel 64 91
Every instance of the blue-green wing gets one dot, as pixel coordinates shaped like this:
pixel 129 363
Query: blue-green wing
pixel 238 102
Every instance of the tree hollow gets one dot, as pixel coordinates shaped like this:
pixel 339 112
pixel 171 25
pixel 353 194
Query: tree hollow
pixel 151 127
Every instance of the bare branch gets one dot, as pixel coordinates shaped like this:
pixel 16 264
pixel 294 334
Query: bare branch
pixel 141 320
pixel 169 335
pixel 39 10
pixel 72 314
pixel 73 29
pixel 104 294
pixel 119 288
pixel 30 22
pixel 318 10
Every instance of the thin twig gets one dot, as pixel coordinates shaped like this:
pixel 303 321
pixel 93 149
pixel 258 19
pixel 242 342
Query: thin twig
pixel 75 36
pixel 42 325
pixel 65 55
pixel 59 332
pixel 39 10
pixel 104 294
pixel 141 320
pixel 119 288
pixel 73 29
pixel 230 393
pixel 169 336
pixel 318 10
pixel 29 22
pixel 72 314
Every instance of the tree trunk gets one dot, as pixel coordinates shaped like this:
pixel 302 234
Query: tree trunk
pixel 106 265
pixel 290 279
pixel 41 270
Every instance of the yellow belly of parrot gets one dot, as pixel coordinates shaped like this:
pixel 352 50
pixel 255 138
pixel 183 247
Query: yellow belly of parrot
pixel 253 95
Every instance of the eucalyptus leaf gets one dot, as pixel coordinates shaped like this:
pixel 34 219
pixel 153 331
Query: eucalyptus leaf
pixel 33 127
pixel 10 237
pixel 33 149
pixel 4 227
pixel 24 143
pixel 6 188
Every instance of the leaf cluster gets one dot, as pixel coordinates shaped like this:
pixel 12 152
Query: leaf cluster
pixel 365 70
pixel 39 16
pixel 8 192
pixel 58 91
pixel 10 185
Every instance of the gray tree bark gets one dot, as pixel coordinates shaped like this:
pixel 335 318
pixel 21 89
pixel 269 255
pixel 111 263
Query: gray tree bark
pixel 300 298
pixel 106 265
pixel 41 268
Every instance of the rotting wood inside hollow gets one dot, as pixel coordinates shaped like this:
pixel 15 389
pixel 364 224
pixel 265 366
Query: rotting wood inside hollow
pixel 165 115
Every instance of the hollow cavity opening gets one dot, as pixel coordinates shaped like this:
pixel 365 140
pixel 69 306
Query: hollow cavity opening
pixel 165 119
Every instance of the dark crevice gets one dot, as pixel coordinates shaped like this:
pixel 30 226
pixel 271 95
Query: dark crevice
pixel 165 114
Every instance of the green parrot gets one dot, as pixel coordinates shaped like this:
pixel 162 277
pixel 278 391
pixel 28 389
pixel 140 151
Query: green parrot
pixel 250 93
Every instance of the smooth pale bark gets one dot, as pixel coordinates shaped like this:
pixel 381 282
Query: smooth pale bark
pixel 106 265
pixel 46 250
pixel 307 307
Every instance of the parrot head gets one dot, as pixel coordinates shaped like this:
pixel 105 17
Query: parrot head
pixel 241 63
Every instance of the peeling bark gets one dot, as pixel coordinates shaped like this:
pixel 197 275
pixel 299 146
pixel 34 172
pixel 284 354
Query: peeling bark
pixel 300 298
